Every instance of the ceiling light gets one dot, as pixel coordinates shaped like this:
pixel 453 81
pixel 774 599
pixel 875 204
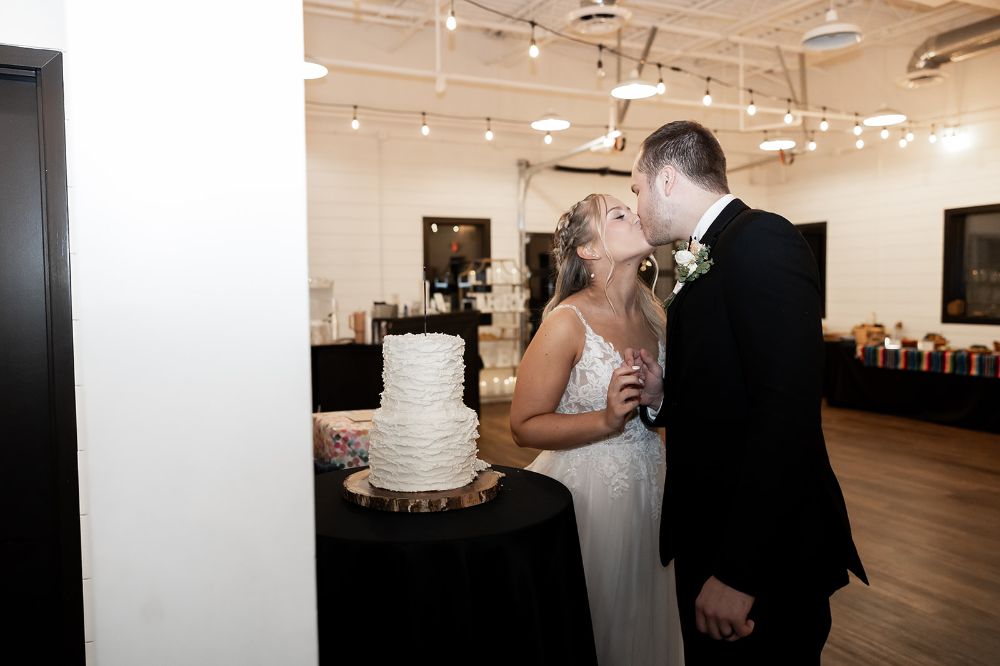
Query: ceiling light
pixel 550 123
pixel 812 142
pixel 354 120
pixel 933 136
pixel 772 145
pixel 857 126
pixel 824 125
pixel 831 35
pixel 859 144
pixel 661 87
pixel 533 49
pixel 548 138
pixel 751 107
pixel 313 70
pixel 788 113
pixel 884 134
pixel 424 129
pixel 910 136
pixel 489 131
pixel 707 99
pixel 634 88
pixel 451 23
pixel 885 118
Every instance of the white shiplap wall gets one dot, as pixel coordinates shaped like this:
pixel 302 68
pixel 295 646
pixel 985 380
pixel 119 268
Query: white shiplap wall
pixel 885 235
pixel 369 193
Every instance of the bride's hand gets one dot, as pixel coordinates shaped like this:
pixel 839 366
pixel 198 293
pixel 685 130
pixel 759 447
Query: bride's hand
pixel 650 377
pixel 623 396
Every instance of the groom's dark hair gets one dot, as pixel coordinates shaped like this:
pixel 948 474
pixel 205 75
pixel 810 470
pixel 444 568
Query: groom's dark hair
pixel 691 149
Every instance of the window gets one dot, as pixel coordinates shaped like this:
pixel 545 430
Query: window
pixel 971 290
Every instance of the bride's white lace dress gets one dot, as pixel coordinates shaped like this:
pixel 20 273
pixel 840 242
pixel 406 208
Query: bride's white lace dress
pixel 617 486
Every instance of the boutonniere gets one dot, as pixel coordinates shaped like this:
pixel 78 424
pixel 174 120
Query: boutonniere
pixel 692 261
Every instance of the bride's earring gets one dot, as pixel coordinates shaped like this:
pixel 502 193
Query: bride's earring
pixel 591 276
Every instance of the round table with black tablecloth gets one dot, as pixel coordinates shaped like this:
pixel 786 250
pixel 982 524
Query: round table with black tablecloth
pixel 497 583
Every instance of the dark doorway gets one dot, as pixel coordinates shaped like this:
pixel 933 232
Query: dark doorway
pixel 815 235
pixel 40 537
pixel 542 283
pixel 451 245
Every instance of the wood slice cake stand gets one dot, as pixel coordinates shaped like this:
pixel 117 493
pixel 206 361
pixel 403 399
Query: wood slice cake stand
pixel 358 491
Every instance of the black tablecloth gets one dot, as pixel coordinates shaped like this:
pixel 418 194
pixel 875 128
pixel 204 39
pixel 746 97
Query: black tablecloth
pixel 497 583
pixel 958 400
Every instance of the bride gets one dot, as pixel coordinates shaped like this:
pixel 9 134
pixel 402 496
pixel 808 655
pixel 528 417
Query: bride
pixel 576 398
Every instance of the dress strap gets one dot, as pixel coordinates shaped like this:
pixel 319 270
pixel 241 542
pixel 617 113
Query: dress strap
pixel 575 309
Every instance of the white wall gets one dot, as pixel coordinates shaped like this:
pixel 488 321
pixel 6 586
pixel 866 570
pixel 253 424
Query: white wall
pixel 188 231
pixel 885 234
pixel 370 190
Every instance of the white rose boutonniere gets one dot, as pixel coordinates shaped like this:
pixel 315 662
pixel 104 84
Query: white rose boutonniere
pixel 692 261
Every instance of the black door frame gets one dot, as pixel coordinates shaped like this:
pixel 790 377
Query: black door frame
pixel 46 68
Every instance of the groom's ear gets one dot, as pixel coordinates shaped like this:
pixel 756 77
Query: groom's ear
pixel 666 180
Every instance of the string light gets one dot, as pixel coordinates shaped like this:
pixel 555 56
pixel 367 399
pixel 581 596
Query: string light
pixel 548 138
pixel 424 129
pixel 903 143
pixel 857 129
pixel 661 87
pixel 707 99
pixel 884 133
pixel 451 23
pixel 600 61
pixel 909 136
pixel 489 130
pixel 533 49
pixel 859 144
pixel 812 142
pixel 354 119
pixel 823 124
pixel 751 107
pixel 933 137
pixel 788 114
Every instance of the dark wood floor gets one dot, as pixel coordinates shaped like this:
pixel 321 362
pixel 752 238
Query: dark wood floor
pixel 925 506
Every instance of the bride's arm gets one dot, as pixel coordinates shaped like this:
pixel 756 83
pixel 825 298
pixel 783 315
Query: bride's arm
pixel 541 381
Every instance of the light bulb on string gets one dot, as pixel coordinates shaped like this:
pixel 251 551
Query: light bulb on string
pixel 884 133
pixel 933 135
pixel 661 87
pixel 489 131
pixel 751 107
pixel 909 136
pixel 533 49
pixel 707 99
pixel 812 142
pixel 824 125
pixel 548 138
pixel 354 119
pixel 600 61
pixel 903 143
pixel 424 129
pixel 859 144
pixel 857 128
pixel 451 23
pixel 788 114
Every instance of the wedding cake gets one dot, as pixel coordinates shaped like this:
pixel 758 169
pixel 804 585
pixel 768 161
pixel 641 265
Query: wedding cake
pixel 423 438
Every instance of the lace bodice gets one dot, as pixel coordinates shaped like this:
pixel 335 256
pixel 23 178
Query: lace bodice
pixel 633 456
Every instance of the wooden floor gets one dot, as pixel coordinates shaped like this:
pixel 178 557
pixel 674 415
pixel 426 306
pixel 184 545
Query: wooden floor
pixel 925 507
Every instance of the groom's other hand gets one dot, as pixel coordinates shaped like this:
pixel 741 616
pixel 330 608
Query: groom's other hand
pixel 651 375
pixel 721 611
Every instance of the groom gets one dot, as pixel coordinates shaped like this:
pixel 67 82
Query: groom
pixel 753 516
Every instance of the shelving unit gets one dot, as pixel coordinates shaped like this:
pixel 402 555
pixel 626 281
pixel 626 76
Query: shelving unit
pixel 498 289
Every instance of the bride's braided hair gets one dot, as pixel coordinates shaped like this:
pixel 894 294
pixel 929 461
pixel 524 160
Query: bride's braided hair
pixel 576 227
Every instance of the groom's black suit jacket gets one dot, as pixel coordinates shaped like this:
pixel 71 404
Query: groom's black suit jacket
pixel 750 496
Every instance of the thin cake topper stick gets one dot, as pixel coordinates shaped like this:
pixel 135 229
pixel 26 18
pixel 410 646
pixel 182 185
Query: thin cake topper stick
pixel 425 299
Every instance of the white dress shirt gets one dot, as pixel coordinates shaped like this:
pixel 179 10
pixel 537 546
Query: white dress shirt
pixel 700 229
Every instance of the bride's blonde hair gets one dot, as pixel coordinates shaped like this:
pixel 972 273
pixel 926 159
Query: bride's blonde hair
pixel 578 226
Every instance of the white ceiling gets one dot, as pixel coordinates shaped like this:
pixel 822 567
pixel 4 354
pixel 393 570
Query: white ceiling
pixel 383 53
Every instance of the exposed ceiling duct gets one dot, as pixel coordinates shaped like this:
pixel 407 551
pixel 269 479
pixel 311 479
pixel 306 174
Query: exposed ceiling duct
pixel 953 46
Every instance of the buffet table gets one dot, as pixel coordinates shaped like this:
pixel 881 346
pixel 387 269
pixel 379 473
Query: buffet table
pixel 952 388
pixel 499 583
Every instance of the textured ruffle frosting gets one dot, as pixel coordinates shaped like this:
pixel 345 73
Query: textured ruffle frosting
pixel 423 438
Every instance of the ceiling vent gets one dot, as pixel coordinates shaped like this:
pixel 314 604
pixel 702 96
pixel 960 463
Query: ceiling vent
pixel 597 18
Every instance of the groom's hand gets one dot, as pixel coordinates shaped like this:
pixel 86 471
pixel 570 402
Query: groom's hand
pixel 721 611
pixel 650 374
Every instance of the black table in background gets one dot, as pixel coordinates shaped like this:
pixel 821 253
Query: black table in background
pixel 499 583
pixel 956 400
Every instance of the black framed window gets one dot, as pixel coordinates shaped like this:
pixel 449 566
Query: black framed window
pixel 971 289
